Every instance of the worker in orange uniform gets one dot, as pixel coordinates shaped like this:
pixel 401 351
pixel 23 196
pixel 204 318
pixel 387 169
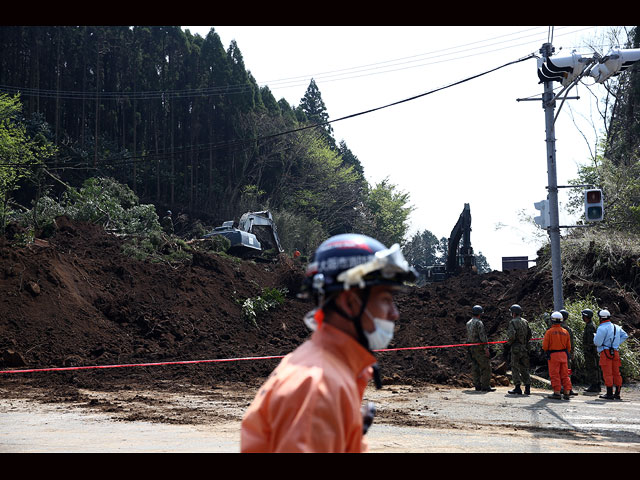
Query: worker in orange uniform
pixel 312 401
pixel 607 340
pixel 557 345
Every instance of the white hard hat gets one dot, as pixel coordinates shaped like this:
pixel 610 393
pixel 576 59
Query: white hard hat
pixel 556 317
pixel 604 314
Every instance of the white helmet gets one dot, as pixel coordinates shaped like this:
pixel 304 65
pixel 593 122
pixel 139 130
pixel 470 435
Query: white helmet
pixel 556 317
pixel 604 314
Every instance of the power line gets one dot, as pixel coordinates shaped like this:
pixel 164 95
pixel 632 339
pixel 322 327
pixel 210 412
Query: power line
pixel 430 55
pixel 240 142
pixel 353 72
pixel 393 62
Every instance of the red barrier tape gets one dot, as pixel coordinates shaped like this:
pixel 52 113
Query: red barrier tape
pixel 190 362
pixel 443 346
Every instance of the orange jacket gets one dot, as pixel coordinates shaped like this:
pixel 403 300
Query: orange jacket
pixel 556 338
pixel 312 400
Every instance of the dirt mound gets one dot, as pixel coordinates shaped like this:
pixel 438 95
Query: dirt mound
pixel 75 300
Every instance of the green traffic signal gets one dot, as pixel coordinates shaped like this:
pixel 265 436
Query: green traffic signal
pixel 594 213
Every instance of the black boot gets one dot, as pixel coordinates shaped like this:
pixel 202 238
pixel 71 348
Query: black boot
pixel 527 389
pixel 616 395
pixel 595 388
pixel 609 394
pixel 516 391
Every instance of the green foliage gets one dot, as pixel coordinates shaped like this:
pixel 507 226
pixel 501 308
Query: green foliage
pixel 315 110
pixel 621 192
pixel 482 264
pixel 269 298
pixel 103 201
pixel 250 199
pixel 216 243
pixel 323 188
pixel 20 155
pixel 113 205
pixel 297 232
pixel 422 250
pixel 149 144
pixel 106 202
pixel 389 213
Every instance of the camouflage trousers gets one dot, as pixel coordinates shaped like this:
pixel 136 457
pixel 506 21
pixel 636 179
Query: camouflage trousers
pixel 591 367
pixel 520 365
pixel 480 366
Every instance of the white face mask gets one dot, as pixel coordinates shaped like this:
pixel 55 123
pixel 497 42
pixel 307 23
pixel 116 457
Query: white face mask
pixel 310 320
pixel 378 339
pixel 382 335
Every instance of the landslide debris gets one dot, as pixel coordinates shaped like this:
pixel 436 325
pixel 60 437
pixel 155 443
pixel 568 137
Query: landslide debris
pixel 77 300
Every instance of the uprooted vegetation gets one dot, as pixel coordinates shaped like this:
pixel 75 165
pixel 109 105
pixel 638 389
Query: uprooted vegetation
pixel 76 299
pixel 106 286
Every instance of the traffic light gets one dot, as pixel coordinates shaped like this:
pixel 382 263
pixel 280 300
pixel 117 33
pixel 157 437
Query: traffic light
pixel 614 63
pixel 544 219
pixel 561 69
pixel 593 205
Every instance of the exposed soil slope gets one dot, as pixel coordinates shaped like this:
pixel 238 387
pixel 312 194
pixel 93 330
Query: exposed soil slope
pixel 76 300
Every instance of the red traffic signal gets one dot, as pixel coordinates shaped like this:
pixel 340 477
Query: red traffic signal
pixel 594 196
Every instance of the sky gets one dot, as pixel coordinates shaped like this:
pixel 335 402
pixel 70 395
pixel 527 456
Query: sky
pixel 473 142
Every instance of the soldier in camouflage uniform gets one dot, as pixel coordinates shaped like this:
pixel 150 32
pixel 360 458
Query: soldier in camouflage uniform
pixel 591 357
pixel 518 337
pixel 479 354
pixel 167 223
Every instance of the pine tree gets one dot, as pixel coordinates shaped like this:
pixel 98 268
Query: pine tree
pixel 315 111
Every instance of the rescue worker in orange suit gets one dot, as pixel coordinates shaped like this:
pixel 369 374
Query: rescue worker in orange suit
pixel 565 325
pixel 312 401
pixel 557 345
pixel 607 340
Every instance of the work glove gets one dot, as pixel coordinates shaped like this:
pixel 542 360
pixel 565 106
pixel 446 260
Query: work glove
pixel 368 412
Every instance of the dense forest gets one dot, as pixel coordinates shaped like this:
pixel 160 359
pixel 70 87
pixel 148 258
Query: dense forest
pixel 181 121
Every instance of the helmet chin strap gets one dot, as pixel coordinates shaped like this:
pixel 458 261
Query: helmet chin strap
pixel 357 322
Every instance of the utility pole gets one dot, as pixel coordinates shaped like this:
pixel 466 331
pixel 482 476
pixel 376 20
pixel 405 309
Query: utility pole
pixel 549 105
pixel 568 70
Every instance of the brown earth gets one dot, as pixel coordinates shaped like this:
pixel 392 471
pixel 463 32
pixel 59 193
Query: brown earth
pixel 76 300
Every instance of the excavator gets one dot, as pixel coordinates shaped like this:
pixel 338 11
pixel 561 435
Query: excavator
pixel 255 234
pixel 459 257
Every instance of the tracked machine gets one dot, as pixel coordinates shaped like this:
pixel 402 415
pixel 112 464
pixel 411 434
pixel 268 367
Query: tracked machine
pixel 459 256
pixel 255 234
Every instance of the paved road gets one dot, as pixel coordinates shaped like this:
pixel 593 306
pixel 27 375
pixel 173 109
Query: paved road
pixel 462 420
pixel 434 420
